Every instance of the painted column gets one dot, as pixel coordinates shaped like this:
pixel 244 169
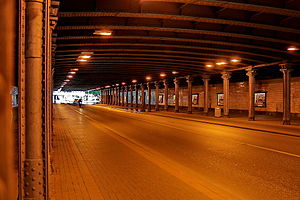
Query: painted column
pixel 143 98
pixel 206 79
pixel 176 83
pixel 149 97
pixel 166 92
pixel 286 70
pixel 110 96
pixel 156 95
pixel 33 168
pixel 136 97
pixel 131 95
pixel 119 95
pixel 226 76
pixel 251 76
pixel 127 94
pixel 189 80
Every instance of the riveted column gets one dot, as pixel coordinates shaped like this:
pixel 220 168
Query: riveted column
pixel 110 96
pixel 131 96
pixel 123 95
pixel 143 97
pixel 176 83
pixel 127 94
pixel 251 76
pixel 206 79
pixel 119 95
pixel 156 95
pixel 7 154
pixel 166 92
pixel 136 97
pixel 226 76
pixel 149 97
pixel 189 80
pixel 286 70
pixel 33 166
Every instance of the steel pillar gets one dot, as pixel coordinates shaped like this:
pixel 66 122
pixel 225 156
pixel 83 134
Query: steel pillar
pixel 34 165
pixel 136 97
pixel 156 95
pixel 166 92
pixel 206 79
pixel 7 34
pixel 131 96
pixel 123 95
pixel 149 97
pixel 189 80
pixel 226 76
pixel 143 97
pixel 286 70
pixel 127 94
pixel 176 83
pixel 251 76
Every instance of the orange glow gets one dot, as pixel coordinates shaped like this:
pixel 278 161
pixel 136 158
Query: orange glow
pixel 84 57
pixel 235 60
pixel 123 83
pixel 108 86
pixel 67 80
pixel 69 76
pixel 82 60
pixel 75 69
pixel 221 63
pixel 72 72
pixel 87 52
pixel 134 81
pixel 209 65
pixel 148 78
pixel 117 84
pixel 175 72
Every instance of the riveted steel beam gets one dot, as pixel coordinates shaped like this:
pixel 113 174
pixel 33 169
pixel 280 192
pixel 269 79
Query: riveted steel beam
pixel 180 18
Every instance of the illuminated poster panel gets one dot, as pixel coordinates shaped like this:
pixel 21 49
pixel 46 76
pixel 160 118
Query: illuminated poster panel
pixel 220 99
pixel 195 99
pixel 260 99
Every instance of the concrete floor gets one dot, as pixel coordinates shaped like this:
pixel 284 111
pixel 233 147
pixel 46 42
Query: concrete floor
pixel 102 153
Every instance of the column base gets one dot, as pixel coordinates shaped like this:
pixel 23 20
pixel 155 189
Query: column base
pixel 226 116
pixel 251 118
pixel 286 122
pixel 205 113
pixel 177 111
pixel 142 110
pixel 189 112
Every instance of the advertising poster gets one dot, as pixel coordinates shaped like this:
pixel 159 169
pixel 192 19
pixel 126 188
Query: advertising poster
pixel 195 99
pixel 220 99
pixel 260 99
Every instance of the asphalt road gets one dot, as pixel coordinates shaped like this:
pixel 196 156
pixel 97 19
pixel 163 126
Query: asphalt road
pixel 166 158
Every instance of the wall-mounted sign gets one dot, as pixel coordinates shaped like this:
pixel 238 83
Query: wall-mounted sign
pixel 260 99
pixel 220 99
pixel 195 99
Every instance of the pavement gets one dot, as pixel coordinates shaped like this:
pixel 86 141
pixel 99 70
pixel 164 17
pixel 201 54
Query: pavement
pixel 109 153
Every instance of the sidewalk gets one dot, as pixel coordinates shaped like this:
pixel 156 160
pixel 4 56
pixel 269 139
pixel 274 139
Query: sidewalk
pixel 264 123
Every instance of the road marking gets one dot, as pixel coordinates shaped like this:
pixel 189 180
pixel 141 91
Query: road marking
pixel 273 150
pixel 187 175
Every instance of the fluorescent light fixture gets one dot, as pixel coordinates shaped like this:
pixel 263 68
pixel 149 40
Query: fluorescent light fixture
pixel 163 75
pixel 123 83
pixel 82 60
pixel 75 69
pixel 175 72
pixel 108 86
pixel 148 78
pixel 84 57
pixel 103 33
pixel 134 81
pixel 209 65
pixel 221 63
pixel 67 80
pixel 235 60
pixel 69 76
pixel 117 84
pixel 292 48
pixel 87 52
pixel 71 72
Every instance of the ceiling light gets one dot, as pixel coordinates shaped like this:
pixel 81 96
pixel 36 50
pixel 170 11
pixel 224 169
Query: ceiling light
pixel 72 72
pixel 67 80
pixel 175 72
pixel 108 86
pixel 123 83
pixel 235 60
pixel 221 63
pixel 87 52
pixel 148 78
pixel 117 84
pixel 134 81
pixel 292 48
pixel 163 75
pixel 84 57
pixel 103 33
pixel 209 65
pixel 75 69
pixel 82 60
pixel 69 76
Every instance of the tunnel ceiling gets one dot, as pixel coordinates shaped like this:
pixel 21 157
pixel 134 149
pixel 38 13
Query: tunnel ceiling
pixel 154 36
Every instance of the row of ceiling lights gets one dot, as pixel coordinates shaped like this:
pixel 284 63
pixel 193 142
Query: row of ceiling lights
pixel 70 75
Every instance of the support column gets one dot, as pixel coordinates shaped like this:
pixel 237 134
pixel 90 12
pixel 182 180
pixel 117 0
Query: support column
pixel 143 98
pixel 156 95
pixel 127 94
pixel 33 168
pixel 166 92
pixel 136 97
pixel 149 97
pixel 119 95
pixel 286 70
pixel 123 95
pixel 189 80
pixel 131 95
pixel 251 75
pixel 206 79
pixel 176 83
pixel 110 96
pixel 226 76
